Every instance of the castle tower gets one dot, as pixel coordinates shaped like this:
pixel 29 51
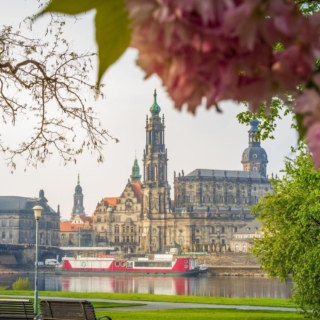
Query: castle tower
pixel 135 176
pixel 78 201
pixel 254 158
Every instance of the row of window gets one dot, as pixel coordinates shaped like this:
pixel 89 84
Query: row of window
pixel 246 236
pixel 26 235
pixel 3 235
pixel 126 229
pixel 237 248
pixel 4 223
pixel 191 198
pixel 124 239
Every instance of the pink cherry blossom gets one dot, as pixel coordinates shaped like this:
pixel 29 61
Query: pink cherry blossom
pixel 313 139
pixel 224 49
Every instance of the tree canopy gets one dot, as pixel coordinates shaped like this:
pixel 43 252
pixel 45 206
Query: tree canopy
pixel 291 227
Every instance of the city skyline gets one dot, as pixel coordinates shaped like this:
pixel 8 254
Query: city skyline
pixel 206 141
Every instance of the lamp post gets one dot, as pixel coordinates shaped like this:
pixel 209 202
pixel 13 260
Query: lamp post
pixel 37 215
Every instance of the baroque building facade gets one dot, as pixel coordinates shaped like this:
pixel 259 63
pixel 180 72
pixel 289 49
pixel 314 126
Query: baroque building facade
pixel 18 225
pixel 117 219
pixel 209 205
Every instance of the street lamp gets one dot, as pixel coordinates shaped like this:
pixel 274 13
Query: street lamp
pixel 37 215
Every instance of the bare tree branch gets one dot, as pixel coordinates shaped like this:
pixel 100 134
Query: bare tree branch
pixel 57 80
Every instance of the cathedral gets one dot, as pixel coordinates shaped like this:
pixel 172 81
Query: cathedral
pixel 209 205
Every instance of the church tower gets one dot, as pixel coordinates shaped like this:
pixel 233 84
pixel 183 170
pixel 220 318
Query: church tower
pixel 78 208
pixel 135 176
pixel 155 190
pixel 254 158
pixel 155 186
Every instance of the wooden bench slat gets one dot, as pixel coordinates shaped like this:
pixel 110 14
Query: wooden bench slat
pixel 16 309
pixel 67 310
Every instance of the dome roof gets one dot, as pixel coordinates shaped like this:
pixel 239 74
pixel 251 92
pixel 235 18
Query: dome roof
pixel 78 189
pixel 254 154
pixel 254 124
pixel 110 209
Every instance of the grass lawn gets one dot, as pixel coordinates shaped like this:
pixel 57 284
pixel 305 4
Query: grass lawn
pixel 270 302
pixel 199 314
pixel 98 304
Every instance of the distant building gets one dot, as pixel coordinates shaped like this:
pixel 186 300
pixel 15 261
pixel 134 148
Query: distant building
pixel 117 219
pixel 18 223
pixel 78 232
pixel 209 205
pixel 243 239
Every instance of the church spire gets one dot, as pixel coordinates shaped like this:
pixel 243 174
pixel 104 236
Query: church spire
pixel 135 171
pixel 78 200
pixel 252 133
pixel 254 157
pixel 155 108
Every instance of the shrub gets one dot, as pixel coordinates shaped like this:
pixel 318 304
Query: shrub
pixel 21 284
pixel 4 287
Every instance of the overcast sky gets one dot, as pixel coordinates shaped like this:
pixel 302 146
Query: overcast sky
pixel 207 140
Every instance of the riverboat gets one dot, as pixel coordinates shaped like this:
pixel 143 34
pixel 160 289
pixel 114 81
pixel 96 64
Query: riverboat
pixel 161 264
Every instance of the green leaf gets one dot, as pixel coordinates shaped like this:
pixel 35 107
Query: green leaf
pixel 71 6
pixel 112 33
pixel 112 26
pixel 301 129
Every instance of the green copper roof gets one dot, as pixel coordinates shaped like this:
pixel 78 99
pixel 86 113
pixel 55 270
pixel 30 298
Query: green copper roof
pixel 110 209
pixel 155 108
pixel 135 171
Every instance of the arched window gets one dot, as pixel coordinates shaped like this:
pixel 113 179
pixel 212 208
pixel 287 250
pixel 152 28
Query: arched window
pixel 127 229
pixel 99 219
pixel 223 230
pixel 206 198
pixel 212 229
pixel 192 197
pixel 131 229
pixel 236 248
pixel 244 248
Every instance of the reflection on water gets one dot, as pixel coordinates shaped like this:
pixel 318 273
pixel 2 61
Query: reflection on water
pixel 236 287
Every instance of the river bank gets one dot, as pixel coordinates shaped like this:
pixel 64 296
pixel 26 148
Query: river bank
pixel 219 264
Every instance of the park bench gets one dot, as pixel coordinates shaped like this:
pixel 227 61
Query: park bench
pixel 11 309
pixel 68 309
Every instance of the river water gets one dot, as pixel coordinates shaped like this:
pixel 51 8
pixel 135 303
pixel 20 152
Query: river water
pixel 203 285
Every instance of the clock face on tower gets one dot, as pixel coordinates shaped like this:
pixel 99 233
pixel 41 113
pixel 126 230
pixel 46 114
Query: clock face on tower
pixel 129 205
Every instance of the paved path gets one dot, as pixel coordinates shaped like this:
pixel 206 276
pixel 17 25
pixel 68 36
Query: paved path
pixel 150 305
